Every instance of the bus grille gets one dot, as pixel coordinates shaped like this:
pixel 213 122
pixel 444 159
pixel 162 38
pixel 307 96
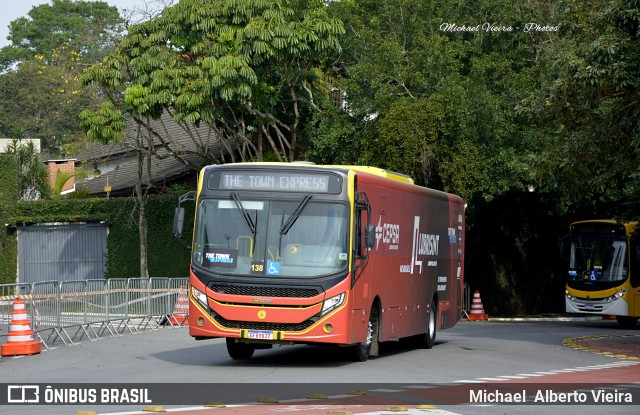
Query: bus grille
pixel 249 325
pixel 265 291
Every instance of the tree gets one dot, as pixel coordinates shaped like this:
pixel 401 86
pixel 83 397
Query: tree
pixel 61 179
pixel 436 104
pixel 46 96
pixel 588 112
pixel 32 178
pixel 447 107
pixel 89 27
pixel 148 10
pixel 39 71
pixel 243 68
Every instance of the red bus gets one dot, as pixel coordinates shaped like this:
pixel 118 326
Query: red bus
pixel 288 253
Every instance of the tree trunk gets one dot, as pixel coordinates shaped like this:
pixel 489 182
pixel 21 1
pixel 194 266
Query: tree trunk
pixel 142 229
pixel 142 196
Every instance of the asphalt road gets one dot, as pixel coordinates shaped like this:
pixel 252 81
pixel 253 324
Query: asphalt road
pixel 471 352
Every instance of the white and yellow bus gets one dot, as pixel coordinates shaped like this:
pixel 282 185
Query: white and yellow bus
pixel 604 270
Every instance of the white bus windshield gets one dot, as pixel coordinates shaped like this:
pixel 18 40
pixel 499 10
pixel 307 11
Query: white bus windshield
pixel 271 238
pixel 598 260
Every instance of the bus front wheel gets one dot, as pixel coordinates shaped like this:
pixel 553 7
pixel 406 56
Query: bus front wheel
pixel 361 351
pixel 239 351
pixel 627 322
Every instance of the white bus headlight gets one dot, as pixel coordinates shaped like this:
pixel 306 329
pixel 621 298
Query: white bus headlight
pixel 617 295
pixel 569 296
pixel 201 297
pixel 332 303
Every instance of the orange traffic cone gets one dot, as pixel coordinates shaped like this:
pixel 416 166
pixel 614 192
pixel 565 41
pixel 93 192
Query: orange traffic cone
pixel 181 308
pixel 477 309
pixel 20 336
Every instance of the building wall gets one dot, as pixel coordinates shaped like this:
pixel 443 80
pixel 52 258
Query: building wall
pixel 5 142
pixel 67 166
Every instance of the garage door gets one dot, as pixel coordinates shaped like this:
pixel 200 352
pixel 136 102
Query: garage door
pixel 61 252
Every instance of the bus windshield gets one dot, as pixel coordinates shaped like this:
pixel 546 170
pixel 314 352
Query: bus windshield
pixel 271 238
pixel 596 260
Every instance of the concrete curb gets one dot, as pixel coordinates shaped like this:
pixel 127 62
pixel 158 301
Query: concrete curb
pixel 511 319
pixel 573 343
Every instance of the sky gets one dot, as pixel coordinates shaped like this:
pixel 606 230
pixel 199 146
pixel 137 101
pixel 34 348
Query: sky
pixel 13 9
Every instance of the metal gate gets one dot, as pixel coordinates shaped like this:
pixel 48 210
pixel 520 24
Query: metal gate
pixel 61 252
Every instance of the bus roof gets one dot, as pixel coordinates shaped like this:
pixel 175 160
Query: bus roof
pixel 629 226
pixel 376 171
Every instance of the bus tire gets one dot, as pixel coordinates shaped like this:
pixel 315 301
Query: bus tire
pixel 238 350
pixel 627 322
pixel 428 339
pixel 361 351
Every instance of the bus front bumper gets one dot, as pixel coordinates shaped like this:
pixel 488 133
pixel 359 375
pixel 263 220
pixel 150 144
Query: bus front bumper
pixel 617 307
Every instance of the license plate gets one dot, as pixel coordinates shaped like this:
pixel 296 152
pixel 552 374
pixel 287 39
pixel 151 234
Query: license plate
pixel 260 335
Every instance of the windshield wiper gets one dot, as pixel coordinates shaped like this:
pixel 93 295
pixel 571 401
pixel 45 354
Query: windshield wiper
pixel 294 216
pixel 245 215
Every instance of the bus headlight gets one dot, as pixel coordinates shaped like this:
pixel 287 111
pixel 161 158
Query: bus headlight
pixel 569 296
pixel 617 295
pixel 201 297
pixel 331 304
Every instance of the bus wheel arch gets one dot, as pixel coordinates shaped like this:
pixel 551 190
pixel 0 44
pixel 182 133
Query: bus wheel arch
pixel 427 340
pixel 370 346
pixel 239 350
pixel 432 324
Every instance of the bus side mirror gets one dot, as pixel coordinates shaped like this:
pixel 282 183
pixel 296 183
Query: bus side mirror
pixel 178 221
pixel 370 236
pixel 178 215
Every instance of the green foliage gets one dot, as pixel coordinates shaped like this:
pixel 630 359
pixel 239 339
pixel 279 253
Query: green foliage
pixel 9 194
pixel 168 256
pixel 61 179
pixel 587 112
pixel 433 104
pixel 246 68
pixel 40 69
pixel 88 26
pixel 8 198
pixel 105 124
pixel 30 174
pixel 448 108
pixel 45 96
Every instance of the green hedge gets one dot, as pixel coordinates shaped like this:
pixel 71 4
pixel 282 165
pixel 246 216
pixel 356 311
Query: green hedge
pixel 168 255
pixel 8 198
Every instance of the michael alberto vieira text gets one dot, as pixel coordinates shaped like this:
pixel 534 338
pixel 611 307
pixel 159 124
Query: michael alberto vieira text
pixel 548 396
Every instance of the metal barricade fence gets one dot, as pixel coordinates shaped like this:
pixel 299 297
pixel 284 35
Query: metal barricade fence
pixel 117 299
pixel 8 294
pixel 466 300
pixel 159 300
pixel 72 302
pixel 69 311
pixel 96 301
pixel 45 304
